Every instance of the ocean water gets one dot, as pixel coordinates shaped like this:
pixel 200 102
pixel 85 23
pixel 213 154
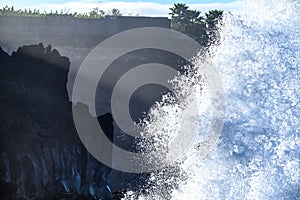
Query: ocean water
pixel 257 155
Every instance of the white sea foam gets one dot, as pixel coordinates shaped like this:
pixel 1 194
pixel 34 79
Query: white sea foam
pixel 258 155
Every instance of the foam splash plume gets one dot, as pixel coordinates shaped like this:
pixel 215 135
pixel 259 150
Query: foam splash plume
pixel 258 154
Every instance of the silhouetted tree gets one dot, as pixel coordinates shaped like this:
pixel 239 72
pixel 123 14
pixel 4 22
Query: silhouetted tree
pixel 179 12
pixel 194 16
pixel 114 13
pixel 96 13
pixel 202 28
pixel 213 17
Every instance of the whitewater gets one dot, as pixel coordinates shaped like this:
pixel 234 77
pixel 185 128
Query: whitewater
pixel 258 152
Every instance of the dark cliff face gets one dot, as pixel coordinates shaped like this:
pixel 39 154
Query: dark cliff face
pixel 41 153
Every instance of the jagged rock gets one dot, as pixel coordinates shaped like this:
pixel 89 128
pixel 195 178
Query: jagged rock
pixel 41 153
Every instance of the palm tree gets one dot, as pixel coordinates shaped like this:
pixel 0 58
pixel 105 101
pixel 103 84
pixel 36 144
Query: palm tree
pixel 96 13
pixel 190 22
pixel 179 12
pixel 194 16
pixel 114 13
pixel 213 17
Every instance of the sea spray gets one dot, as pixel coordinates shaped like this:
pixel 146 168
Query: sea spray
pixel 257 156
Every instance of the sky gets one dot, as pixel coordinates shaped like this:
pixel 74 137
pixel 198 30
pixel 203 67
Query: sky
pixel 127 7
